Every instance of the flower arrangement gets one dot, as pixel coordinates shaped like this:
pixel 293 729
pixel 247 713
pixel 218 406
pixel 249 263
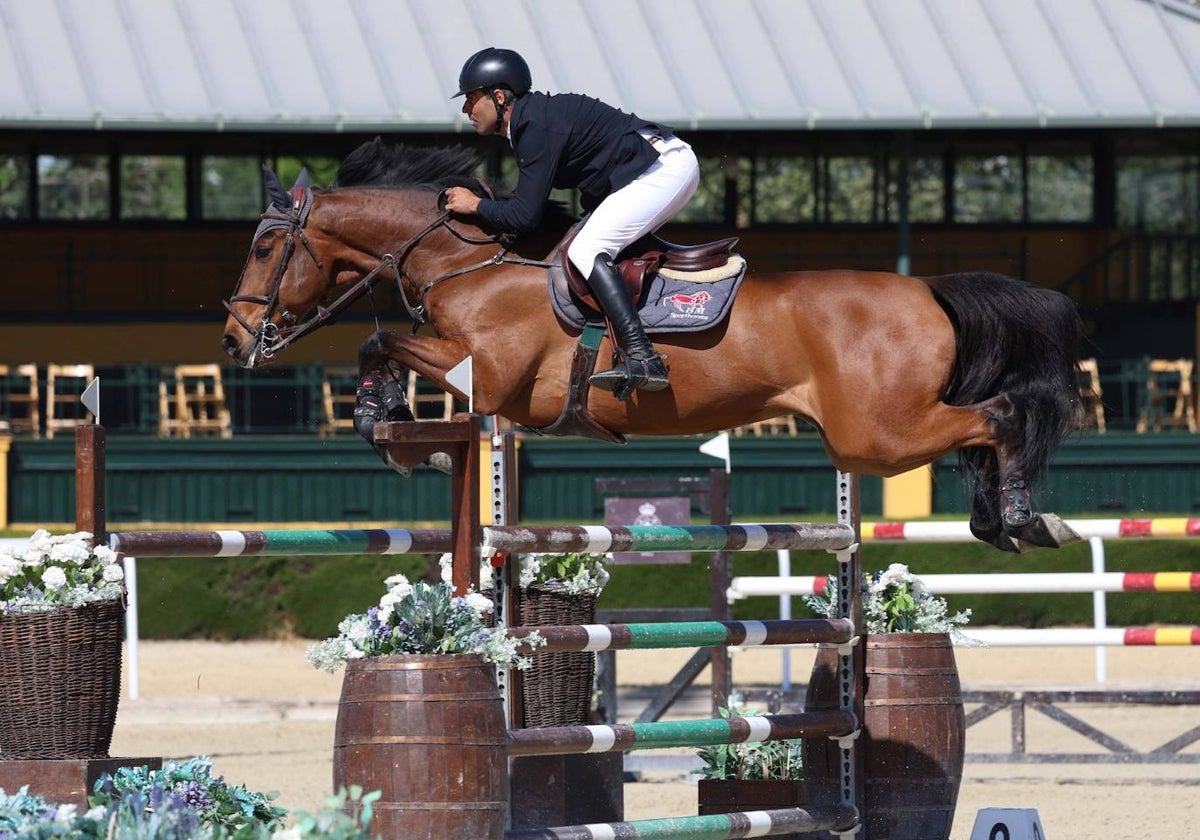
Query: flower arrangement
pixel 571 573
pixel 895 601
pixel 152 810
pixel 421 618
pixel 214 801
pixel 56 571
pixel 765 760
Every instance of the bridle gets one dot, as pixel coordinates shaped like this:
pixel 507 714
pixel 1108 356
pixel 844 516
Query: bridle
pixel 270 338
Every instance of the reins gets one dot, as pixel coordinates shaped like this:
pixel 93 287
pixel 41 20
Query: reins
pixel 271 338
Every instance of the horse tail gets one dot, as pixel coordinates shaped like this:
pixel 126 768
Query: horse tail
pixel 1020 340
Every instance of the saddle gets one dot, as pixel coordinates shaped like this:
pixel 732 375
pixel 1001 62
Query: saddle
pixel 650 266
pixel 643 259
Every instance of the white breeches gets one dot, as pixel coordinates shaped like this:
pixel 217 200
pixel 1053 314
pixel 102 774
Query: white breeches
pixel 640 207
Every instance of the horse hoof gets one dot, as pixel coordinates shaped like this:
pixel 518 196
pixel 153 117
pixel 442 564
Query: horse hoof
pixel 1046 530
pixel 441 462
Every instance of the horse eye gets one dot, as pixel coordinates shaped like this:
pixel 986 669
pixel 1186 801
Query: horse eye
pixel 262 253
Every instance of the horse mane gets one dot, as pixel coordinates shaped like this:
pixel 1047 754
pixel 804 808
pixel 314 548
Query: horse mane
pixel 377 164
pixel 433 168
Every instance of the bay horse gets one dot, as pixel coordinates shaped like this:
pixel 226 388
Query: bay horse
pixel 893 371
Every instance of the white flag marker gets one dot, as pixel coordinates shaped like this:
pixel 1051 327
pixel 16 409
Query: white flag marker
pixel 462 377
pixel 91 398
pixel 718 447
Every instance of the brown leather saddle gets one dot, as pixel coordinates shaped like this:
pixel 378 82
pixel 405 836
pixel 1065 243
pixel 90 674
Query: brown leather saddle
pixel 639 262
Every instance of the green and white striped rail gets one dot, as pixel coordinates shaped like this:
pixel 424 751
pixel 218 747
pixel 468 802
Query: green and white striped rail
pixel 626 737
pixel 553 539
pixel 679 634
pixel 835 818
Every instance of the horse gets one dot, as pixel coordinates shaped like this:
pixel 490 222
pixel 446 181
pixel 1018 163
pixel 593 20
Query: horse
pixel 893 371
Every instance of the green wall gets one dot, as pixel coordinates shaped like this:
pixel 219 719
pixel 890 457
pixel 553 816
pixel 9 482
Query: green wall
pixel 307 479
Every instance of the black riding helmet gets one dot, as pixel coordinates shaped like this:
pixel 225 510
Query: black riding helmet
pixel 495 68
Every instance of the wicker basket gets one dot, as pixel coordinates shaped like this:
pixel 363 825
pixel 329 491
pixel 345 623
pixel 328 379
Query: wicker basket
pixel 60 680
pixel 558 687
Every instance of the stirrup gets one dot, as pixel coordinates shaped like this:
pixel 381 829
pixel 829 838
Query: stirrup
pixel 632 374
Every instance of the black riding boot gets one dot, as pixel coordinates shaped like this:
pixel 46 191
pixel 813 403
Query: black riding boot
pixel 640 366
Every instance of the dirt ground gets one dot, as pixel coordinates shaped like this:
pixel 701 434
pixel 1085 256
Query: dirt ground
pixel 266 718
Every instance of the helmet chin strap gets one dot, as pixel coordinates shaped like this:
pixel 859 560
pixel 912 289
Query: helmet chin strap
pixel 501 107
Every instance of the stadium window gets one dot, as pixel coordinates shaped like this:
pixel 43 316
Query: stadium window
pixel 708 204
pixel 849 189
pixel 926 190
pixel 14 186
pixel 988 186
pixel 784 189
pixel 321 170
pixel 73 187
pixel 1158 187
pixel 231 187
pixel 153 187
pixel 1061 183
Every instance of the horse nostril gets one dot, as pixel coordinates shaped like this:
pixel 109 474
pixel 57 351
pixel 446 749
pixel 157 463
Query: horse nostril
pixel 229 344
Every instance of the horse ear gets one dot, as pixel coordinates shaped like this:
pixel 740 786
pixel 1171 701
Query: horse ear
pixel 302 179
pixel 275 191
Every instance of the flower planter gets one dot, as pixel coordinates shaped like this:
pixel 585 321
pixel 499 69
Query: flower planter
pixel 913 735
pixel 60 681
pixel 428 732
pixel 726 796
pixel 557 688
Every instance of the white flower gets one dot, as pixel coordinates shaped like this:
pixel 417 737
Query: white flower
pixel 481 603
pixel 386 604
pixel 446 562
pixel 104 554
pixel 64 813
pixel 10 567
pixel 394 580
pixel 54 578
pixel 292 833
pixel 113 574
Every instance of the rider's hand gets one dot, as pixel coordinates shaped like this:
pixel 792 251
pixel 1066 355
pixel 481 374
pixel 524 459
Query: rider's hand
pixel 461 200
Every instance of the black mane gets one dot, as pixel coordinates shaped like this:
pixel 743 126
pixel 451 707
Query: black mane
pixel 433 168
pixel 376 164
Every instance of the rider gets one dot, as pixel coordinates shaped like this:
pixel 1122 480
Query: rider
pixel 633 175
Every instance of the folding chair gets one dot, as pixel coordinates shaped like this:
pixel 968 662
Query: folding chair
pixel 20 398
pixel 64 386
pixel 193 403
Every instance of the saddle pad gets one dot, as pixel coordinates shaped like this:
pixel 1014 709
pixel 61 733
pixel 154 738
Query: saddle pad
pixel 669 304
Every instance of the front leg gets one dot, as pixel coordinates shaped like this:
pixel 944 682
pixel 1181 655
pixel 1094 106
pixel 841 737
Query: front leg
pixel 430 357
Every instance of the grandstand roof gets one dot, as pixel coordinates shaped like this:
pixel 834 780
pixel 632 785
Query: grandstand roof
pixel 391 65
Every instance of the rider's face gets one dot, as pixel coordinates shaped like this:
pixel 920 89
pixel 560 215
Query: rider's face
pixel 481 110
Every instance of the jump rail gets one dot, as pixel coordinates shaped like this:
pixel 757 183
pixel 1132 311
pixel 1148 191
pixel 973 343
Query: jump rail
pixel 623 737
pixel 1052 582
pixel 1170 526
pixel 838 818
pixel 507 538
pixel 597 637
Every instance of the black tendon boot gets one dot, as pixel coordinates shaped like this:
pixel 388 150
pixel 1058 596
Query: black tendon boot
pixel 640 366
pixel 376 400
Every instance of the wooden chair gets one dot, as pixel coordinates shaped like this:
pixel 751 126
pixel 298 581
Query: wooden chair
pixel 337 400
pixel 775 427
pixel 1092 395
pixel 21 399
pixel 64 386
pixel 1169 400
pixel 193 402
pixel 421 393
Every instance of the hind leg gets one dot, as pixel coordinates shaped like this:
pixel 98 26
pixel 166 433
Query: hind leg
pixel 1021 522
pixel 986 524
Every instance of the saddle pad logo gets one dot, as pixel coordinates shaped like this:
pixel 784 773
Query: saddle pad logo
pixel 693 304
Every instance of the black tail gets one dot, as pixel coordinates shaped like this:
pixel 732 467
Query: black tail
pixel 1020 340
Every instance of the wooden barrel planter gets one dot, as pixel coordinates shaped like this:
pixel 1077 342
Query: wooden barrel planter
pixel 429 732
pixel 913 735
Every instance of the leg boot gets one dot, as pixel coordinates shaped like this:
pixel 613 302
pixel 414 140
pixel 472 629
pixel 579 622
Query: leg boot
pixel 640 366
